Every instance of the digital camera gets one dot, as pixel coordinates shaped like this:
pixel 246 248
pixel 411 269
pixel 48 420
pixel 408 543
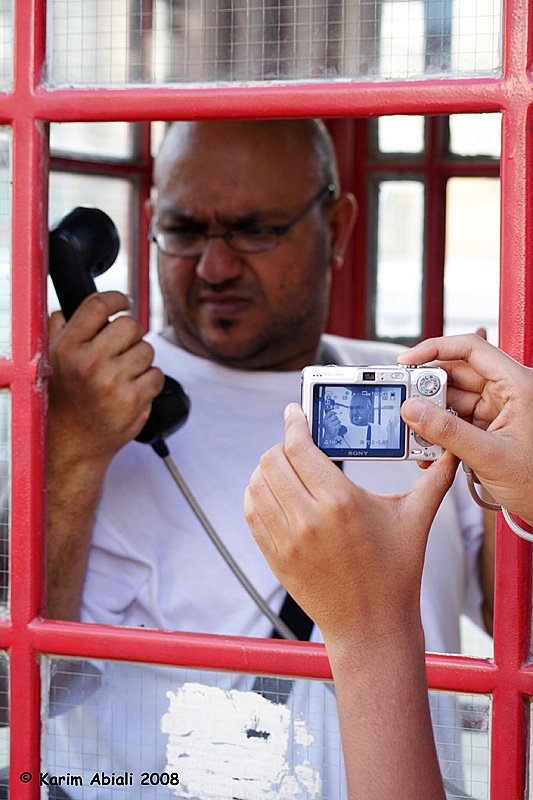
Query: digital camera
pixel 354 411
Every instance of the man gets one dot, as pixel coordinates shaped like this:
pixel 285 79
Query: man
pixel 249 223
pixel 363 432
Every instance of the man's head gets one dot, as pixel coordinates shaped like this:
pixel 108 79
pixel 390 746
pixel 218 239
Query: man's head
pixel 250 310
pixel 361 408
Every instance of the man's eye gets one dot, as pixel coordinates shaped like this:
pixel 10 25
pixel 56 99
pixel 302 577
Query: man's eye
pixel 181 237
pixel 256 232
pixel 181 231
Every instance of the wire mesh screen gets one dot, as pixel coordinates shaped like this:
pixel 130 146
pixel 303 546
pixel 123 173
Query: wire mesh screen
pixel 6 44
pixel 116 729
pixel 205 41
pixel 5 241
pixel 4 723
pixel 5 482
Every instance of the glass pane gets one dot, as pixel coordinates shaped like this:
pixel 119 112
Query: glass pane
pixel 402 49
pixel 197 41
pixel 399 267
pixel 223 735
pixel 6 45
pixel 101 139
pixel 67 191
pixel 5 493
pixel 472 264
pixel 4 722
pixel 157 319
pixel 475 641
pixel 5 241
pixel 476 31
pixel 475 717
pixel 401 134
pixel 475 134
pixel 530 781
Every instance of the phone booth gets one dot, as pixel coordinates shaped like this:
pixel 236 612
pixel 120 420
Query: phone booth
pixel 85 91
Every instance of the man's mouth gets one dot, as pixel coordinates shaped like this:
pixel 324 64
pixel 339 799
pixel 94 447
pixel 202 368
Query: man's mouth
pixel 228 304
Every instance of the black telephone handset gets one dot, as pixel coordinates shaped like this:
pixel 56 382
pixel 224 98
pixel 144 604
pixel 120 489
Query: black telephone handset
pixel 84 244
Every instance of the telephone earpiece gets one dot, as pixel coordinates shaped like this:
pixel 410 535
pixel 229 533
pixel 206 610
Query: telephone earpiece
pixel 83 244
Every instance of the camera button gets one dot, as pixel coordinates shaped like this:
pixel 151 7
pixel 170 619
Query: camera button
pixel 428 384
pixel 421 441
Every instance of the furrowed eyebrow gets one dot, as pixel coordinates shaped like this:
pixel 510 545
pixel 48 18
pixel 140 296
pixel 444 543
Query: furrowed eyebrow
pixel 179 218
pixel 264 218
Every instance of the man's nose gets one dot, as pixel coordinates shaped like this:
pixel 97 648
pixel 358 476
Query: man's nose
pixel 218 262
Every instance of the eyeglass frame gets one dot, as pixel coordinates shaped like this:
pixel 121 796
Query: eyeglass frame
pixel 278 230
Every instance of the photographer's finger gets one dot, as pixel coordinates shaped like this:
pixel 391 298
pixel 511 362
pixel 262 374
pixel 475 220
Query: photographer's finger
pixel 488 360
pixel 314 469
pixel 445 429
pixel 263 512
pixel 431 488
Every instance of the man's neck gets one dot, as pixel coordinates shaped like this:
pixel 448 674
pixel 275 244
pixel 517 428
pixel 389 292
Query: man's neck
pixel 293 362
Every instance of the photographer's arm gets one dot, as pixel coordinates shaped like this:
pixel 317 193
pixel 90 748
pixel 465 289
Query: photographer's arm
pixel 495 393
pixel 100 396
pixel 353 560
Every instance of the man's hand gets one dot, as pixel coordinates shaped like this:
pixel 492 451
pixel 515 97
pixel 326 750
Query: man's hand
pixel 103 383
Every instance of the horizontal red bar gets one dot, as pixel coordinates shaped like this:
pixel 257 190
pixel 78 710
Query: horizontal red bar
pixel 205 651
pixel 6 372
pixel 252 101
pixel 458 673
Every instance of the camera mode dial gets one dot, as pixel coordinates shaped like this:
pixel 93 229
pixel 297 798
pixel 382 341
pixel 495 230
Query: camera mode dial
pixel 428 384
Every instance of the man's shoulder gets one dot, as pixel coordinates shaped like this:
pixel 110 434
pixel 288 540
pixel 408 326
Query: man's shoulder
pixel 342 350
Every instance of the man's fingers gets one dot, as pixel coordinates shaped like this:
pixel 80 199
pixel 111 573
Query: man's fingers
pixel 57 325
pixel 91 316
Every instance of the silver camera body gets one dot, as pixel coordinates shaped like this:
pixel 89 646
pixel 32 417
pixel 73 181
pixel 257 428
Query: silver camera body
pixel 354 411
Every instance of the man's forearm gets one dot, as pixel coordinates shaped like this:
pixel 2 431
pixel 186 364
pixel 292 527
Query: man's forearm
pixel 73 492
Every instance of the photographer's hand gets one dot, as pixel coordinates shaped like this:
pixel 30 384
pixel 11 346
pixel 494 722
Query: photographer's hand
pixel 493 392
pixel 353 560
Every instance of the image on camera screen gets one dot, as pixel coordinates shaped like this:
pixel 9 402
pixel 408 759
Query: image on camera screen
pixel 358 421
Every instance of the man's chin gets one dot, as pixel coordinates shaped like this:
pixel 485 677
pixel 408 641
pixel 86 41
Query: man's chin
pixel 228 350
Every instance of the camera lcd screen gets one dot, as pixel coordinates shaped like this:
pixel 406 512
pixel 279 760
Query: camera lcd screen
pixel 358 421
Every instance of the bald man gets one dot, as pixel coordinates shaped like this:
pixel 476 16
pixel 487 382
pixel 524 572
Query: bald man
pixel 249 223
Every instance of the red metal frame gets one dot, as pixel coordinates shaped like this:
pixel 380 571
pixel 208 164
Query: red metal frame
pixel 26 108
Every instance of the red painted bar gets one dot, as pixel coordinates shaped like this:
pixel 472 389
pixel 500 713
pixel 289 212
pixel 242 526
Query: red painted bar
pixel 327 100
pixel 28 395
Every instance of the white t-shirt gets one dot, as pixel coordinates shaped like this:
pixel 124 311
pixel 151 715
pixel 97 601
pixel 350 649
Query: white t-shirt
pixel 363 437
pixel 152 565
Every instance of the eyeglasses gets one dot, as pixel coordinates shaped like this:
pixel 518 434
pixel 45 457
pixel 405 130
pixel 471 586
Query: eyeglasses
pixel 185 241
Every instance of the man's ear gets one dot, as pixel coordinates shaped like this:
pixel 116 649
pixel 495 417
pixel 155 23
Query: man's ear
pixel 341 216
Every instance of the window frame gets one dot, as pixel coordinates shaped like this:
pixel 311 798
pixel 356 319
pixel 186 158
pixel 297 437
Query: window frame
pixel 28 107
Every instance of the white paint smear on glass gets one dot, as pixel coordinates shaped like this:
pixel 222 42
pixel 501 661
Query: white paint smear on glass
pixel 233 744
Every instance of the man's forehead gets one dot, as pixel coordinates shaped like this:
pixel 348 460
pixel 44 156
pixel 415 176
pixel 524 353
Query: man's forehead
pixel 251 147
